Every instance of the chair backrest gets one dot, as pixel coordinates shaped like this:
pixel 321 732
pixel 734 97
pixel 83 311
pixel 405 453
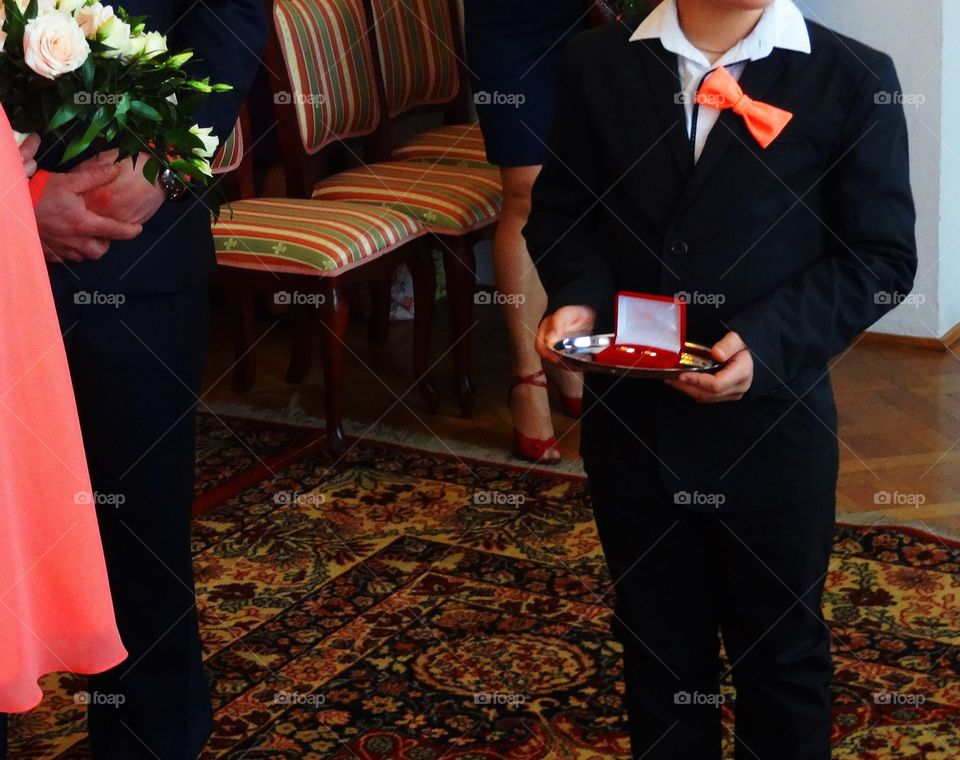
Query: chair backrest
pixel 420 51
pixel 329 69
pixel 230 155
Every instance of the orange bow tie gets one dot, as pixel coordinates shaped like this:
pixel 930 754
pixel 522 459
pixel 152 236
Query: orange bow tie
pixel 765 122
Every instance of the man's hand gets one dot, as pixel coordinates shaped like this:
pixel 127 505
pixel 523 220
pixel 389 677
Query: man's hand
pixel 129 198
pixel 565 321
pixel 69 231
pixel 730 383
pixel 28 152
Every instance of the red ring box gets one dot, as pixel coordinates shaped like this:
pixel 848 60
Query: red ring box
pixel 651 332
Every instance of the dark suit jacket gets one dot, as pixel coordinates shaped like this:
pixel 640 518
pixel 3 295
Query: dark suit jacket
pixel 175 250
pixel 804 244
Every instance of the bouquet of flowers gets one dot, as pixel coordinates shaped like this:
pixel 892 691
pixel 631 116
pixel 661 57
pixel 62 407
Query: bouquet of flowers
pixel 96 78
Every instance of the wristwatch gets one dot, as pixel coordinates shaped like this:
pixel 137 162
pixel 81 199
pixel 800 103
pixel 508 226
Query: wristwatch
pixel 174 188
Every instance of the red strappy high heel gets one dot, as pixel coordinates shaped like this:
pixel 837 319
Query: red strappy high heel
pixel 532 449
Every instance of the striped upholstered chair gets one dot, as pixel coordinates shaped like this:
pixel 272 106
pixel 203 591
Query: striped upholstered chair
pixel 306 252
pixel 421 52
pixel 418 69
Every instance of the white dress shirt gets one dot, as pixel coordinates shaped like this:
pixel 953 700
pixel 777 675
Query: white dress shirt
pixel 781 26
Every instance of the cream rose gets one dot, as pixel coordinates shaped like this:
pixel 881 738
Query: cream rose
pixel 54 45
pixel 92 17
pixel 210 141
pixel 69 6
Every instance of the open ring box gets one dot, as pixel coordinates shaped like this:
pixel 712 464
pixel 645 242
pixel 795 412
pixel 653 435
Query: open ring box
pixel 650 333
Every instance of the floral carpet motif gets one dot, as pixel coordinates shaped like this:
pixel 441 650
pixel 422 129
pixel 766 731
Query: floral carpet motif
pixel 404 604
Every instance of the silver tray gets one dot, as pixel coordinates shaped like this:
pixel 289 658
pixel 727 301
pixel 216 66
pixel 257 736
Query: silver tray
pixel 578 352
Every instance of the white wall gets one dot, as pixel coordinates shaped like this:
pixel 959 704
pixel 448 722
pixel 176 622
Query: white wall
pixel 923 37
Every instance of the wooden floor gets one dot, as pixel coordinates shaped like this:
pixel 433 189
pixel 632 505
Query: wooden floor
pixel 899 410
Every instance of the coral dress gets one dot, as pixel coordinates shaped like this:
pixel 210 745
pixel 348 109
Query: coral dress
pixel 55 608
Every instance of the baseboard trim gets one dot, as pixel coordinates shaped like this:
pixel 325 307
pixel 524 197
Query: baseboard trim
pixel 948 341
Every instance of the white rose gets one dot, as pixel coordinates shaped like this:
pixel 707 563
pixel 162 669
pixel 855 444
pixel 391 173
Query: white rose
pixel 92 17
pixel 115 34
pixel 146 45
pixel 210 141
pixel 54 45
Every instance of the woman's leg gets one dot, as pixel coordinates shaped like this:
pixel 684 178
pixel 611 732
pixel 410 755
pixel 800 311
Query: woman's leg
pixel 523 305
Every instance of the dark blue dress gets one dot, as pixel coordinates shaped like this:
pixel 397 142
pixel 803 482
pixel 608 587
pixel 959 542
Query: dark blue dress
pixel 513 49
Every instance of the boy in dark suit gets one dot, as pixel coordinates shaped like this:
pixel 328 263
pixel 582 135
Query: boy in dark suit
pixel 730 150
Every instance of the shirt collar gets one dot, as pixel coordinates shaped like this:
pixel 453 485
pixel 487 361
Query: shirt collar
pixel 781 26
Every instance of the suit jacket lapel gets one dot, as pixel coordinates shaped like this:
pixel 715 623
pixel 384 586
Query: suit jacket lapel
pixel 757 81
pixel 661 71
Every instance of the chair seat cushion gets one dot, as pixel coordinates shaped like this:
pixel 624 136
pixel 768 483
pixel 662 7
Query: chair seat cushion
pixel 445 199
pixel 457 144
pixel 307 237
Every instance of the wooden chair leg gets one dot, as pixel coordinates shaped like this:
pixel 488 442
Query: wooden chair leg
pixel 424 274
pixel 240 305
pixel 460 266
pixel 379 312
pixel 334 315
pixel 303 319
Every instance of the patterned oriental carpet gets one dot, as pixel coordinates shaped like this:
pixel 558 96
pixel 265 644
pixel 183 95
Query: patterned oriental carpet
pixel 412 605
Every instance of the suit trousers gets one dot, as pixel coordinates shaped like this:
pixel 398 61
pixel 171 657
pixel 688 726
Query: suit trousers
pixel 137 362
pixel 684 579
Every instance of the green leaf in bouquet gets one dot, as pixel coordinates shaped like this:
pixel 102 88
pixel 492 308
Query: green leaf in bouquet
pixel 182 138
pixel 87 73
pixel 222 87
pixel 64 115
pixel 151 170
pixel 78 146
pixel 14 25
pixel 145 110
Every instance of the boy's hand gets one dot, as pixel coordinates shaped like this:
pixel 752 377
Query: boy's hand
pixel 565 321
pixel 730 383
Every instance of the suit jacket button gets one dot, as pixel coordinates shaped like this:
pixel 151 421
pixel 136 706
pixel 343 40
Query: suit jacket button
pixel 679 248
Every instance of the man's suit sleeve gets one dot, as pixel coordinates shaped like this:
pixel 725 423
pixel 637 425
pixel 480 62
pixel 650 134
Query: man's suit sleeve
pixel 228 37
pixel 872 256
pixel 562 231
